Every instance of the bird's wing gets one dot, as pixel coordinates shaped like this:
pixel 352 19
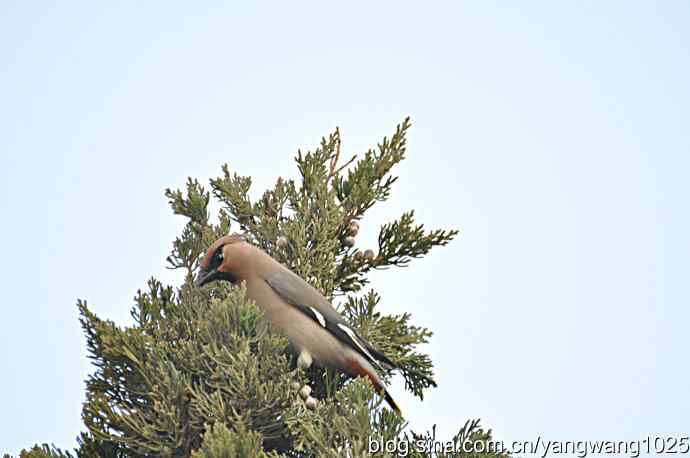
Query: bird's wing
pixel 298 293
pixel 294 290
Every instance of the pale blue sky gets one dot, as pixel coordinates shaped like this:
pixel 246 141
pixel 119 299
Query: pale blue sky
pixel 554 135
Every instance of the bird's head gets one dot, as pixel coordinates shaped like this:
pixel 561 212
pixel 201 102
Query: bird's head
pixel 223 260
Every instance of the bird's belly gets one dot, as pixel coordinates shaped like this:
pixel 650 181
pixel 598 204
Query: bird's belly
pixel 303 333
pixel 325 349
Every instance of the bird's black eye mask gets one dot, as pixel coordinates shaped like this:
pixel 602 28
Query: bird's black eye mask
pixel 217 259
pixel 212 273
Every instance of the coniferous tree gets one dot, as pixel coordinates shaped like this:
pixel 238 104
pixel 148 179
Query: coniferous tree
pixel 201 374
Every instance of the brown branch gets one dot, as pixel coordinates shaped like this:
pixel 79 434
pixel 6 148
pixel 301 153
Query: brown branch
pixel 340 169
pixel 335 157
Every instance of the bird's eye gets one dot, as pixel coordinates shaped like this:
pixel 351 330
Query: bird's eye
pixel 217 258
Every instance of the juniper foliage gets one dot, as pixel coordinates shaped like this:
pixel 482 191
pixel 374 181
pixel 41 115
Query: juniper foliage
pixel 200 374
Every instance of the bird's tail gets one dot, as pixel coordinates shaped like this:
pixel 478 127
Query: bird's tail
pixel 389 399
pixel 358 370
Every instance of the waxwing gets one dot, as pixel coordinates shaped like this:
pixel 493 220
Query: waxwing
pixel 314 328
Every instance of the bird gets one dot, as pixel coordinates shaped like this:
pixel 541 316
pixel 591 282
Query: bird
pixel 315 330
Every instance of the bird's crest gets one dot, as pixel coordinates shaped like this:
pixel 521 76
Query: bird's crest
pixel 221 242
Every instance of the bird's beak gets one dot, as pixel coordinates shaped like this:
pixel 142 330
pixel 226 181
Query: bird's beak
pixel 207 276
pixel 203 277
